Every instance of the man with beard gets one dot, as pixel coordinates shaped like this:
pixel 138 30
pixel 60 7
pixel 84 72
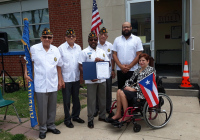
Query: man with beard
pixel 95 87
pixel 126 51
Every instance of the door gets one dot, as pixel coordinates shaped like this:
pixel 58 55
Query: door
pixel 140 13
pixel 187 39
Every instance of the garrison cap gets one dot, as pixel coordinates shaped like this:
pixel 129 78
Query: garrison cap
pixel 103 30
pixel 92 34
pixel 70 31
pixel 46 31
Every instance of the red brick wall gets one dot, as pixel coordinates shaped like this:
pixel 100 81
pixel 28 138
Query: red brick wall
pixel 64 14
pixel 12 65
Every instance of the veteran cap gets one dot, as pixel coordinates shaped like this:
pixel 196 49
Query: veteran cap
pixel 70 31
pixel 103 30
pixel 92 34
pixel 46 31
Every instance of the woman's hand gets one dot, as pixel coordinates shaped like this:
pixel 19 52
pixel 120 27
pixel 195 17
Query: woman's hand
pixel 130 89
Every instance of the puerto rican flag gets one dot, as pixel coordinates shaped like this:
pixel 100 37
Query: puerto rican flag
pixel 149 90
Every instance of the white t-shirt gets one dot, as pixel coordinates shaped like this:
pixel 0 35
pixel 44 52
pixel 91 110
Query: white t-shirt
pixel 126 49
pixel 70 68
pixel 89 55
pixel 45 68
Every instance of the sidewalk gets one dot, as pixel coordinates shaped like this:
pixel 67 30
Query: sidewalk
pixel 12 125
pixel 183 125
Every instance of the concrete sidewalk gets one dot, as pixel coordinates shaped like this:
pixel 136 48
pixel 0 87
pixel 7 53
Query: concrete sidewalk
pixel 184 125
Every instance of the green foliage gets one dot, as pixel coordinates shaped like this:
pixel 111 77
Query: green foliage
pixel 5 135
pixel 20 81
pixel 18 137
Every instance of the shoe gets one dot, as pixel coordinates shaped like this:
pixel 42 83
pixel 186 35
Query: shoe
pixel 69 124
pixel 110 120
pixel 54 131
pixel 96 113
pixel 103 120
pixel 91 124
pixel 42 135
pixel 110 114
pixel 78 120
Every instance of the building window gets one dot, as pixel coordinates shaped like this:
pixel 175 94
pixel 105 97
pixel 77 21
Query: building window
pixel 12 23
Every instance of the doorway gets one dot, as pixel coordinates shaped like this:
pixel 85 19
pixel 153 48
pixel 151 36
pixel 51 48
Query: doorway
pixel 163 28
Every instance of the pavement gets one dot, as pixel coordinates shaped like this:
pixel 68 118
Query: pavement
pixel 183 125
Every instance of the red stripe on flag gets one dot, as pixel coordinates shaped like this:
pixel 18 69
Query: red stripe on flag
pixel 146 96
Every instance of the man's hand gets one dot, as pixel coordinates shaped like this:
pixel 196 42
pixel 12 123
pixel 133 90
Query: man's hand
pixel 130 89
pixel 27 78
pixel 124 68
pixel 98 59
pixel 94 80
pixel 113 74
pixel 61 84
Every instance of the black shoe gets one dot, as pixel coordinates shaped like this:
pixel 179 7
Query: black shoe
pixel 54 131
pixel 91 124
pixel 42 135
pixel 78 120
pixel 111 114
pixel 103 120
pixel 96 113
pixel 110 120
pixel 69 124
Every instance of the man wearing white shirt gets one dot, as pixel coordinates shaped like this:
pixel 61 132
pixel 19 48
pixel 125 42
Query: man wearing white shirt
pixel 95 87
pixel 47 80
pixel 70 52
pixel 107 47
pixel 126 51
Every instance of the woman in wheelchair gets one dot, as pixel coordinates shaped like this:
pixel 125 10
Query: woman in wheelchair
pixel 131 90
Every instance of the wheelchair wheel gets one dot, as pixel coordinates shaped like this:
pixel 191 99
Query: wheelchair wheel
pixel 159 115
pixel 136 127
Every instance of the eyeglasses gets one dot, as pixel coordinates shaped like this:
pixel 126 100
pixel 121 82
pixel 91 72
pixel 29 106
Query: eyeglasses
pixel 69 36
pixel 126 27
pixel 49 37
pixel 95 39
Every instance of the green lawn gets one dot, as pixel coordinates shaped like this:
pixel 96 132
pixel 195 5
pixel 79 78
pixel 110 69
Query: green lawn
pixel 21 102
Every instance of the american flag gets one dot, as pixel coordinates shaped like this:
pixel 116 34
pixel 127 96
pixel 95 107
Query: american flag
pixel 149 90
pixel 96 21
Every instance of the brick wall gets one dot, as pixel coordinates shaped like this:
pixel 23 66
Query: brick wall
pixel 64 14
pixel 12 65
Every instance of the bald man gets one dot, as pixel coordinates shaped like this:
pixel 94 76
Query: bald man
pixel 126 51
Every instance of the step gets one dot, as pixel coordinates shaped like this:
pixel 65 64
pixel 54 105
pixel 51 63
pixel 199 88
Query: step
pixel 174 92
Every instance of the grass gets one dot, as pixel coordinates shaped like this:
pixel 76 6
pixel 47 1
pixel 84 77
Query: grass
pixel 21 102
pixel 4 135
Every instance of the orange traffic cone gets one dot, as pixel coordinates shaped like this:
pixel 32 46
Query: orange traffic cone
pixel 185 79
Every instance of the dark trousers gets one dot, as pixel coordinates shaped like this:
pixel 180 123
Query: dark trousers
pixel 122 77
pixel 71 89
pixel 108 95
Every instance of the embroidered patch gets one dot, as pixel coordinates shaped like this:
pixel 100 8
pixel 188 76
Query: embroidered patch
pixel 55 59
pixel 108 50
pixel 103 55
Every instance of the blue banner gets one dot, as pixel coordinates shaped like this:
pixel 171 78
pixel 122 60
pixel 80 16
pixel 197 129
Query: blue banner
pixel 25 41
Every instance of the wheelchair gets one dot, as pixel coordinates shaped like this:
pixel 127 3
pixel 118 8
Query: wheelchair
pixel 155 117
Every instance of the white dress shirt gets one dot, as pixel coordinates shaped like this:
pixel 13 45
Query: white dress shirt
pixel 45 68
pixel 70 68
pixel 126 49
pixel 107 47
pixel 89 55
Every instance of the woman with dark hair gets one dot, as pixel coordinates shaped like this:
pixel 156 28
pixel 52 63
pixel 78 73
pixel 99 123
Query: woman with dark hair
pixel 130 91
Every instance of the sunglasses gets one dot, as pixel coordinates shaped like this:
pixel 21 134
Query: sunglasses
pixel 69 36
pixel 93 39
pixel 49 37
